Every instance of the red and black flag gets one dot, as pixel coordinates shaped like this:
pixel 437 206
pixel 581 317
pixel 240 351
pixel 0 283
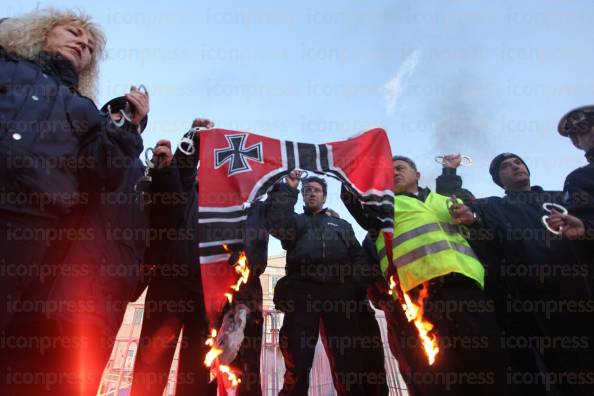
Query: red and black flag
pixel 237 168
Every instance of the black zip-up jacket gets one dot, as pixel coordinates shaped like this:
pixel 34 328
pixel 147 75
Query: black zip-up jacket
pixel 319 247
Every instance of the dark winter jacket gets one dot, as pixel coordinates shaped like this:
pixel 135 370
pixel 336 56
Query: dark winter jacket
pixel 579 200
pixel 524 260
pixel 319 247
pixel 102 267
pixel 53 140
pixel 579 193
pixel 173 246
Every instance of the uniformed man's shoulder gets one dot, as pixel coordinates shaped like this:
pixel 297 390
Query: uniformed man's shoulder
pixel 580 179
pixel 488 200
pixel 586 170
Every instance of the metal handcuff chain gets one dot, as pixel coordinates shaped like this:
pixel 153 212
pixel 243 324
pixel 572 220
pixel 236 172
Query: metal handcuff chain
pixel 548 206
pixel 466 160
pixel 125 112
pixel 462 229
pixel 143 196
pixel 186 144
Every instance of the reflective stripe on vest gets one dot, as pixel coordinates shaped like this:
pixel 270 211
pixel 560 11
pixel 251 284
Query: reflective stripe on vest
pixel 435 247
pixel 427 249
pixel 430 250
pixel 449 228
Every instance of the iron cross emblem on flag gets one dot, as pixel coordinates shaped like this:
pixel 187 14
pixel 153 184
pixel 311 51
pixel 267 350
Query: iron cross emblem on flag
pixel 237 155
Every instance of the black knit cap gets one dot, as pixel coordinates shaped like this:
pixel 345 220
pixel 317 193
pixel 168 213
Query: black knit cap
pixel 119 103
pixel 496 164
pixel 577 121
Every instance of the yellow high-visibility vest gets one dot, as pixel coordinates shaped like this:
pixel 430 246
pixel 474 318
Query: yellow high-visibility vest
pixel 426 245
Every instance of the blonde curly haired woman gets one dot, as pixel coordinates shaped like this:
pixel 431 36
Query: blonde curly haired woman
pixel 31 34
pixel 54 145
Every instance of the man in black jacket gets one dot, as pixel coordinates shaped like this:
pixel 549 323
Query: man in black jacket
pixel 534 278
pixel 174 301
pixel 323 291
pixel 578 125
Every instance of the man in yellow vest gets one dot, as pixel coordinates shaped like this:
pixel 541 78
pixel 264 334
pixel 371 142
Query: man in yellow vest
pixel 430 253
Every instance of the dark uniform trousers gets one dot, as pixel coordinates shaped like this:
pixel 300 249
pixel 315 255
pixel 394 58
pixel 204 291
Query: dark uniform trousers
pixel 248 357
pixel 173 305
pixel 349 331
pixel 22 251
pixel 470 360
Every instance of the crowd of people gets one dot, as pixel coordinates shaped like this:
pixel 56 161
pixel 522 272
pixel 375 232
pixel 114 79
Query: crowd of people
pixel 506 282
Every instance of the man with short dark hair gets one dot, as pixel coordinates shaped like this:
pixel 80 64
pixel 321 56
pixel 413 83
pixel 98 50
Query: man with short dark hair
pixel 323 292
pixel 174 301
pixel 431 253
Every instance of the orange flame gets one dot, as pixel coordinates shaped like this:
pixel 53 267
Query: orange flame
pixel 210 341
pixel 414 313
pixel 231 376
pixel 212 355
pixel 242 270
pixel 210 360
pixel 392 284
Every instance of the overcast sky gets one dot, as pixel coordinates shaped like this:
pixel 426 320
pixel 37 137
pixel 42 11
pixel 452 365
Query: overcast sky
pixel 477 77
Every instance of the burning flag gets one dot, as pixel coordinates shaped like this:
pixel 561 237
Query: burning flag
pixel 226 342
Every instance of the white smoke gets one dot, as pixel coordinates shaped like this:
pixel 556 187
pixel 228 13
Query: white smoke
pixel 394 88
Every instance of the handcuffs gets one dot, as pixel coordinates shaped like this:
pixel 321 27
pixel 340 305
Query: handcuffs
pixel 141 187
pixel 126 112
pixel 186 144
pixel 548 206
pixel 466 160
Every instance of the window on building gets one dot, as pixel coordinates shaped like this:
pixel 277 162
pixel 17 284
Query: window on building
pixel 170 389
pixel 138 316
pixel 129 363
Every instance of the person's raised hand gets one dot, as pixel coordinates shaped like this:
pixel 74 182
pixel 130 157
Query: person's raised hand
pixel 568 226
pixel 202 123
pixel 461 214
pixel 162 155
pixel 139 101
pixel 293 178
pixel 452 160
